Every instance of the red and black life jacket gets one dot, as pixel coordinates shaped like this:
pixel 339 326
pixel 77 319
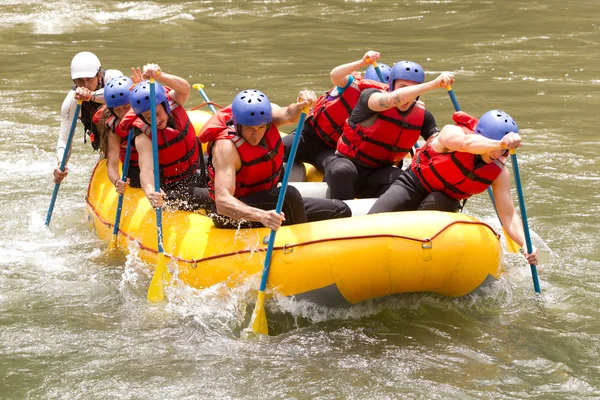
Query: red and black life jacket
pixel 178 147
pixel 330 113
pixel 458 175
pixel 261 164
pixel 387 140
pixel 112 122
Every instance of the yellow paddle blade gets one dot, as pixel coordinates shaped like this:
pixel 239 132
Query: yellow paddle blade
pixel 259 318
pixel 156 291
pixel 112 245
pixel 511 245
pixel 198 86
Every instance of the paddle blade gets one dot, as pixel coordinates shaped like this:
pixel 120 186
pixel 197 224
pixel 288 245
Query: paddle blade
pixel 511 245
pixel 259 317
pixel 112 245
pixel 156 291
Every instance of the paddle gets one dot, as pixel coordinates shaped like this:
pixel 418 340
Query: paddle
pixel 378 71
pixel 63 163
pixel 534 275
pixel 510 244
pixel 113 243
pixel 156 291
pixel 200 88
pixel 258 323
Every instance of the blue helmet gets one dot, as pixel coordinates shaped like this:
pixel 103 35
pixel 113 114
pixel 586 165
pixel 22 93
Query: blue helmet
pixel 116 91
pixel 251 108
pixel 371 74
pixel 406 70
pixel 140 97
pixel 495 124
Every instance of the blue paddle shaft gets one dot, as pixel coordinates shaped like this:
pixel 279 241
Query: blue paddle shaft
pixel 205 97
pixel 453 99
pixel 379 74
pixel 280 199
pixel 155 161
pixel 534 275
pixel 63 162
pixel 123 177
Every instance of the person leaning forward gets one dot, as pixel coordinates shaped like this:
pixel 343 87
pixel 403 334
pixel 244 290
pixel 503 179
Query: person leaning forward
pixel 179 153
pixel 88 86
pixel 325 124
pixel 380 132
pixel 462 160
pixel 245 162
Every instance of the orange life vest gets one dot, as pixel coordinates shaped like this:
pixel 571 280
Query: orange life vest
pixel 331 112
pixel 386 141
pixel 458 175
pixel 261 164
pixel 178 148
pixel 111 124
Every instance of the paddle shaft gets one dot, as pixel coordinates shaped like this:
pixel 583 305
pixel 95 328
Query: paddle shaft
pixel 205 97
pixel 280 199
pixel 378 71
pixel 63 163
pixel 159 235
pixel 123 178
pixel 534 275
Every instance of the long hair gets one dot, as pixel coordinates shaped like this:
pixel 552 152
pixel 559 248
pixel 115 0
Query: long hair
pixel 103 131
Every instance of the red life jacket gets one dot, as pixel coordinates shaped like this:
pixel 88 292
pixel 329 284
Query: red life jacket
pixel 111 124
pixel 458 175
pixel 261 164
pixel 178 149
pixel 387 141
pixel 330 114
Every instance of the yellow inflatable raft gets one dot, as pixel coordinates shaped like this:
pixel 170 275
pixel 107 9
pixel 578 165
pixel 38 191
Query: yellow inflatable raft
pixel 333 262
pixel 329 262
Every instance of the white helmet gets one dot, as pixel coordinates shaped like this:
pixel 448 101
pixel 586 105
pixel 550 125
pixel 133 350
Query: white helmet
pixel 84 65
pixel 112 73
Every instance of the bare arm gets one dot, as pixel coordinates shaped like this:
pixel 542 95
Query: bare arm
pixel 181 87
pixel 143 145
pixel 112 161
pixel 339 75
pixel 385 100
pixel 507 213
pixel 452 138
pixel 291 114
pixel 226 162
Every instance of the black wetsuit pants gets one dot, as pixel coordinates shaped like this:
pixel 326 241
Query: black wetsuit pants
pixel 348 180
pixel 297 209
pixel 407 193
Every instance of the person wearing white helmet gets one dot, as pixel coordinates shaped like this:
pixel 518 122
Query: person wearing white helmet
pixel 88 85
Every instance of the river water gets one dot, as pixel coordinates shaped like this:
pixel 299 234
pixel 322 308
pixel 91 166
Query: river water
pixel 75 323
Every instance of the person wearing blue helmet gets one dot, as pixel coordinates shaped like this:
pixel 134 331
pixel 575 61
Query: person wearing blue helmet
pixel 380 132
pixel 462 160
pixel 245 163
pixel 179 152
pixel 325 124
pixel 107 118
pixel 88 86
pixel 371 73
